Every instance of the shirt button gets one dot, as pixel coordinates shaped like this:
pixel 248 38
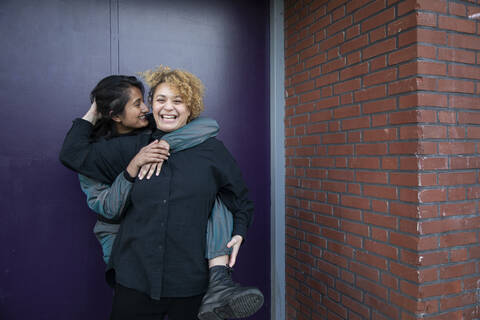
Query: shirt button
pixel 164 201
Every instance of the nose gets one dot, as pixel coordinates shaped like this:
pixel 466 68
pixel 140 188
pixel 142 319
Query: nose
pixel 144 108
pixel 168 105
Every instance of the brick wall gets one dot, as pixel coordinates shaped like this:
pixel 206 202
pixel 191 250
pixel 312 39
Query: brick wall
pixel 382 155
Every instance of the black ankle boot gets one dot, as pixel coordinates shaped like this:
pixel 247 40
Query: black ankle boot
pixel 226 299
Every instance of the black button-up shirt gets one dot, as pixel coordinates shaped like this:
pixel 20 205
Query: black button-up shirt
pixel 160 249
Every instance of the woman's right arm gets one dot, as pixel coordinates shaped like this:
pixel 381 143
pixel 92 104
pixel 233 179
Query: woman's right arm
pixel 107 200
pixel 102 160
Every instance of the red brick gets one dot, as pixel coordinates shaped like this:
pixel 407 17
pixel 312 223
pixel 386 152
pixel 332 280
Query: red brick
pixel 425 35
pixel 432 5
pixel 365 163
pixel 403 271
pixel 432 195
pixel 462 71
pixel 334 138
pixel 403 117
pixel 369 10
pixel 402 55
pixel 408 163
pixel 371 149
pixel 463 41
pixel 380 135
pixel 469 117
pixel 383 307
pixel 357 123
pixel 346 86
pixel 441 289
pixel 406 85
pixel 454 178
pixel 371 177
pixel 381 249
pixel 380 192
pixel 464 102
pixel 364 271
pixel 402 24
pixel 457 9
pixel 426 19
pixel 333 65
pixel 465 163
pixel 460 86
pixel 379 120
pixel 457 301
pixel 339 25
pixel 379 48
pixel 378 20
pixel 380 77
pixel 455 24
pixel 378 34
pixel 457 239
pixel 355 202
pixel 309 52
pixel 354 71
pixel 455 55
pixel 316 60
pixel 326 79
pixel 378 63
pixel 457 270
pixel 331 41
pixel 379 106
pixel 353 32
pixel 433 132
pixel 456 209
pixel 456 147
pixel 370 93
pixel 447 117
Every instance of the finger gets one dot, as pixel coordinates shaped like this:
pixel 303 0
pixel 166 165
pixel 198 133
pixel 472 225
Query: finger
pixel 159 168
pixel 233 255
pixel 157 150
pixel 164 144
pixel 151 170
pixel 143 170
pixel 231 243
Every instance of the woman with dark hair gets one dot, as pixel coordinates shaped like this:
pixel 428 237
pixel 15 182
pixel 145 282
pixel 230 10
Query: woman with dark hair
pixel 118 109
pixel 224 295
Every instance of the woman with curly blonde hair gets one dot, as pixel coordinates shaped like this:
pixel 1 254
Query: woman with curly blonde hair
pixel 158 258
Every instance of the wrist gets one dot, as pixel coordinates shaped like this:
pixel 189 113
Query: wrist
pixel 90 117
pixel 132 170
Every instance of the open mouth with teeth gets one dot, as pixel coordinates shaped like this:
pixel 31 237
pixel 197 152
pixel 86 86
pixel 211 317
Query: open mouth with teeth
pixel 168 117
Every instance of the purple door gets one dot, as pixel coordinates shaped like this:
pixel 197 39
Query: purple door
pixel 53 53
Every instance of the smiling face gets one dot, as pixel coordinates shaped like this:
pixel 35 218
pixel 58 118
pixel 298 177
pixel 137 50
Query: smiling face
pixel 134 115
pixel 169 108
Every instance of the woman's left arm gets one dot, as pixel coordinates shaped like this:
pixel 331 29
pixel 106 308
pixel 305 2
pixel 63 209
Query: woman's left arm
pixel 192 134
pixel 233 191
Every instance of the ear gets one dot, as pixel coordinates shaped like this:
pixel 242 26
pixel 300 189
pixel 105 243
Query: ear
pixel 115 118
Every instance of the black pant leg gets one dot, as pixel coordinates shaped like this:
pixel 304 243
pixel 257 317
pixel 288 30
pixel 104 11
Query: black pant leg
pixel 184 308
pixel 130 304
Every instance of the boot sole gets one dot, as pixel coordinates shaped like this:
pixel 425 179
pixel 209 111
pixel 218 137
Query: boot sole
pixel 241 306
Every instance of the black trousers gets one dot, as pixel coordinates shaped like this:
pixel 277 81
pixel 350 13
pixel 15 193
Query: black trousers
pixel 130 304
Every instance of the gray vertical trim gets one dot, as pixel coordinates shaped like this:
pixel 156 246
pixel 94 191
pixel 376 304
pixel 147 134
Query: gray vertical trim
pixel 114 37
pixel 277 153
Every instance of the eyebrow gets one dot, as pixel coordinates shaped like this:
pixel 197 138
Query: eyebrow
pixel 162 95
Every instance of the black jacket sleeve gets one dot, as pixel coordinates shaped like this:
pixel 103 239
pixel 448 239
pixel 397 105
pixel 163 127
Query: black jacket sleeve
pixel 103 160
pixel 233 191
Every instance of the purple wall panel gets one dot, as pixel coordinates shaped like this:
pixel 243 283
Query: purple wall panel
pixel 53 53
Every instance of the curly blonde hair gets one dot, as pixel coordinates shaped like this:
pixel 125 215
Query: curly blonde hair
pixel 189 87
